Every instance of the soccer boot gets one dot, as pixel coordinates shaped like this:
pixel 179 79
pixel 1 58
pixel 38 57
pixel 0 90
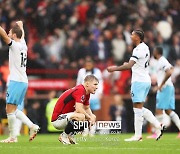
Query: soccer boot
pixel 133 138
pixel 33 132
pixel 9 140
pixel 178 135
pixel 153 136
pixel 64 139
pixel 72 139
pixel 160 131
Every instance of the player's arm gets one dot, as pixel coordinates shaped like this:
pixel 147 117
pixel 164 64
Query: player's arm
pixel 125 66
pixel 20 24
pixel 168 73
pixel 89 112
pixel 79 108
pixel 4 36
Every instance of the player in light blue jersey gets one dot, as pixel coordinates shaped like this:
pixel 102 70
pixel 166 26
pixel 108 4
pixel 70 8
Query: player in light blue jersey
pixel 165 98
pixel 18 81
pixel 140 85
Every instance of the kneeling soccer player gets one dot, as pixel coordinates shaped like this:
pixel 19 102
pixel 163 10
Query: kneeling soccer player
pixel 73 107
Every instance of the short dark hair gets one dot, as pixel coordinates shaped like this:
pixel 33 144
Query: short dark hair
pixel 17 30
pixel 140 33
pixel 90 78
pixel 159 50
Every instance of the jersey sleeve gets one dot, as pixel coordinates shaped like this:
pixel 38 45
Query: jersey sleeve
pixel 165 65
pixel 23 40
pixel 79 96
pixel 135 55
pixel 13 45
pixel 87 100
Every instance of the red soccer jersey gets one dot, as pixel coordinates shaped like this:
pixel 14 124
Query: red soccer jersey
pixel 66 102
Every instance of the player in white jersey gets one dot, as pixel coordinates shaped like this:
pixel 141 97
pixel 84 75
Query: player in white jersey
pixel 165 98
pixel 18 81
pixel 140 85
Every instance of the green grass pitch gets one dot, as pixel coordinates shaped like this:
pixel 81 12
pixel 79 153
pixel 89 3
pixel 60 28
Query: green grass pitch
pixel 99 144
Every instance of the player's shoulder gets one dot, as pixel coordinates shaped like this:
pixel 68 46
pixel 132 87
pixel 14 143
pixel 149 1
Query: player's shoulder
pixel 142 46
pixel 162 59
pixel 82 70
pixel 79 87
pixel 97 69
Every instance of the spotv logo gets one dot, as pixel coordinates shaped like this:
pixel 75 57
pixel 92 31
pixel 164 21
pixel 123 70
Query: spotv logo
pixel 108 124
pixel 81 124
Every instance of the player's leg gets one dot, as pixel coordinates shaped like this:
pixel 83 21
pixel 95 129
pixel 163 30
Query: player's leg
pixel 95 106
pixel 175 118
pixel 18 127
pixel 11 106
pixel 137 95
pixel 152 119
pixel 18 124
pixel 33 128
pixel 71 129
pixel 171 106
pixel 66 122
pixel 19 90
pixel 10 110
pixel 159 116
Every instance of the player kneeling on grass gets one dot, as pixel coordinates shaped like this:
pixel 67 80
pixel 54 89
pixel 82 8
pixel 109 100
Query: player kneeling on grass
pixel 72 110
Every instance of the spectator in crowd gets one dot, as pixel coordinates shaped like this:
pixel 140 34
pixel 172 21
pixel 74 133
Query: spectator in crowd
pixel 116 112
pixel 174 53
pixel 33 112
pixel 119 48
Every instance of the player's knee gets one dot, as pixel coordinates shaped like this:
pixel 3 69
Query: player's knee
pixel 78 117
pixel 82 117
pixel 10 108
pixel 168 112
pixel 94 117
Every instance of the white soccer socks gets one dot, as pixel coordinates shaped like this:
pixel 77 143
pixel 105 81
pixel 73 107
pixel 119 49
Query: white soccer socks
pixel 151 118
pixel 138 121
pixel 11 124
pixel 174 117
pixel 20 115
pixel 18 126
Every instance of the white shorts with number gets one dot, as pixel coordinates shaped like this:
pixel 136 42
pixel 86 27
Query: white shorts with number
pixel 62 120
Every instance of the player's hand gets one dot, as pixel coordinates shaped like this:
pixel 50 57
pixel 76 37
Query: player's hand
pixel 155 89
pixel 160 88
pixel 111 68
pixel 20 23
pixel 92 120
pixel 125 63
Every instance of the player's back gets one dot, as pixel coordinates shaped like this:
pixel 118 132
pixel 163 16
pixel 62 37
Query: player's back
pixel 66 102
pixel 18 60
pixel 141 56
pixel 162 66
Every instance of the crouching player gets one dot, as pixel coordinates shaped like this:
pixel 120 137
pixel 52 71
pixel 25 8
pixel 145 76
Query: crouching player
pixel 73 107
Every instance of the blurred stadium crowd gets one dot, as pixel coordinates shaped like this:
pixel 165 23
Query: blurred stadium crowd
pixel 61 33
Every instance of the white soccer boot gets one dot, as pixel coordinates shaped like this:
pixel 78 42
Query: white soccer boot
pixel 9 140
pixel 72 139
pixel 64 139
pixel 133 138
pixel 160 131
pixel 33 132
